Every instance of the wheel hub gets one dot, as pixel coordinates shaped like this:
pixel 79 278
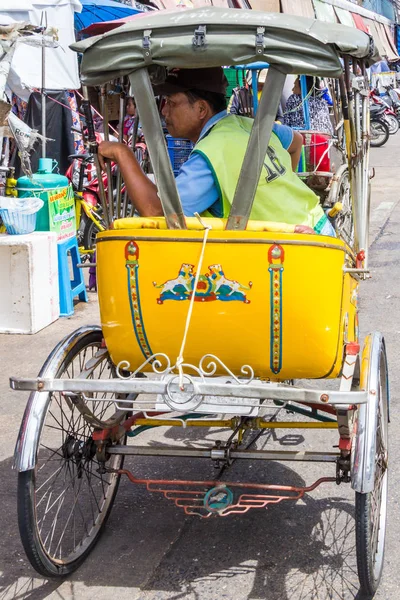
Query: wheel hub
pixel 78 451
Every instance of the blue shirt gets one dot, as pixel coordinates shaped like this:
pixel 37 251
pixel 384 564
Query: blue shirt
pixel 195 181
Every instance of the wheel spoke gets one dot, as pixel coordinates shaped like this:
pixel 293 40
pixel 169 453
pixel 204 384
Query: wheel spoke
pixel 71 496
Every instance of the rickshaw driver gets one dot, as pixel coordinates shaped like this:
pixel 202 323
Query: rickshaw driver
pixel 195 109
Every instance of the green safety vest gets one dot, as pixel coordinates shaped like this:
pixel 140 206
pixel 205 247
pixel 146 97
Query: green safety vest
pixel 280 197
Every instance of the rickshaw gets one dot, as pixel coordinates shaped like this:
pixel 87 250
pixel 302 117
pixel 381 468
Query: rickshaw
pixel 213 323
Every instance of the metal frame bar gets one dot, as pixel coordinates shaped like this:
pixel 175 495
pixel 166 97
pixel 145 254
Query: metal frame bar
pixel 305 105
pixel 256 150
pixel 151 124
pixel 107 161
pixel 86 107
pixel 253 390
pixel 223 240
pixel 122 102
pixel 219 454
pixel 232 423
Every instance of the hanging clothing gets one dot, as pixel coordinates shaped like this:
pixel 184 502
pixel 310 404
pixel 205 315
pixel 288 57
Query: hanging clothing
pixel 318 109
pixel 58 129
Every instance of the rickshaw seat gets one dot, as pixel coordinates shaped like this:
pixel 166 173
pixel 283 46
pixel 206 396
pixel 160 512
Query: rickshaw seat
pixel 276 300
pixel 193 224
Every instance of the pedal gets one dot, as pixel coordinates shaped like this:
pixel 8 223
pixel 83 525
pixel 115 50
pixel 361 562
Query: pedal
pixel 335 210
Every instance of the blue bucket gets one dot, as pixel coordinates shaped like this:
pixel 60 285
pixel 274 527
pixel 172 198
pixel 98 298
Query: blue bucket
pixel 19 215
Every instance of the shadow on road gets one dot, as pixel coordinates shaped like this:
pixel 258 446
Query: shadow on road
pixel 291 551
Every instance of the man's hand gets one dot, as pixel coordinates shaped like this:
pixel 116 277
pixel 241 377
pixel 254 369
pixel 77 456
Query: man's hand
pixel 112 150
pixel 303 229
pixel 141 191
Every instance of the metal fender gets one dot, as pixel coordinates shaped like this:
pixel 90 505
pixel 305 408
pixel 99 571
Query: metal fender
pixel 29 434
pixel 364 441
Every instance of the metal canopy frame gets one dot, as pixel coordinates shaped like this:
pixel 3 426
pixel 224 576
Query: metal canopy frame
pixel 151 124
pixel 252 163
pixel 256 150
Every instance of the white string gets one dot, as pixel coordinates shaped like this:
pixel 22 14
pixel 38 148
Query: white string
pixel 303 100
pixel 179 360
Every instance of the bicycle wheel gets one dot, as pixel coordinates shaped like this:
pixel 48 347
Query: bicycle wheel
pixel 379 133
pixel 89 234
pixel 64 502
pixel 371 507
pixel 344 225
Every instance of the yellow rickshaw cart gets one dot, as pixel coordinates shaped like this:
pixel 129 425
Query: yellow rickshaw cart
pixel 213 322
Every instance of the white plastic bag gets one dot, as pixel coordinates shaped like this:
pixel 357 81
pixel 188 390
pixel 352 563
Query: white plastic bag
pixel 27 206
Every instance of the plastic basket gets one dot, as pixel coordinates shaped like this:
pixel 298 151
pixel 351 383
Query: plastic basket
pixel 179 151
pixel 19 215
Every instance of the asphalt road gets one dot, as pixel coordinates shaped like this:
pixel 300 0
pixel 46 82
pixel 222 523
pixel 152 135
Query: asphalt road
pixel 150 550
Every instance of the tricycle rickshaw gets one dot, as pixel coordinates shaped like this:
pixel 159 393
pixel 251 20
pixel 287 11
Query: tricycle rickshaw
pixel 212 322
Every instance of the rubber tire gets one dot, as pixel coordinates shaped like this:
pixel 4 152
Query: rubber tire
pixel 393 124
pixel 88 232
pixel 369 584
pixel 386 136
pixel 30 538
pixel 365 564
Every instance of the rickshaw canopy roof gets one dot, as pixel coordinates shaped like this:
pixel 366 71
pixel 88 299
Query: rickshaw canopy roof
pixel 213 36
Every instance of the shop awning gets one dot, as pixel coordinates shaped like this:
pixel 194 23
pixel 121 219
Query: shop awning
pixel 324 12
pixel 265 5
pixel 104 26
pixel 359 22
pixel 94 11
pixel 390 40
pixel 388 52
pixel 383 39
pixel 344 17
pixel 375 34
pixel 302 8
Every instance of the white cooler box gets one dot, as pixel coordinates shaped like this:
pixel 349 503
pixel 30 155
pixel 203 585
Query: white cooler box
pixel 29 297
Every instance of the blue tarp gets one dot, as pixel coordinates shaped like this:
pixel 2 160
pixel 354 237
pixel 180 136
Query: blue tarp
pixel 94 11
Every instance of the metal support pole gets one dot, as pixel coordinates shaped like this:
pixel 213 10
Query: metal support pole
pixel 43 22
pixel 256 150
pixel 289 455
pixel 122 101
pixel 150 120
pixel 110 196
pixel 254 85
pixel 133 145
pixel 87 110
pixel 306 108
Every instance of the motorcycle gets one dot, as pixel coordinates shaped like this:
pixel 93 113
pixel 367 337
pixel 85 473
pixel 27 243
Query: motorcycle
pixel 392 98
pixel 378 126
pixel 391 117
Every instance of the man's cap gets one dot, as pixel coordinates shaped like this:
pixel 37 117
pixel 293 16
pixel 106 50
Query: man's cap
pixel 261 76
pixel 183 80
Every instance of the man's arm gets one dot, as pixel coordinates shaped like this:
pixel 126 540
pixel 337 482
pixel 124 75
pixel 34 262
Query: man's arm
pixel 141 190
pixel 295 149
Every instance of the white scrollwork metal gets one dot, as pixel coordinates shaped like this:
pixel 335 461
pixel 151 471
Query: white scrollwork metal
pixel 182 392
pixel 209 369
pixel 156 364
pixel 208 365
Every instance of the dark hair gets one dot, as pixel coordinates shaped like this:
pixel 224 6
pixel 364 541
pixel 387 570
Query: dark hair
pixel 215 100
pixel 310 81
